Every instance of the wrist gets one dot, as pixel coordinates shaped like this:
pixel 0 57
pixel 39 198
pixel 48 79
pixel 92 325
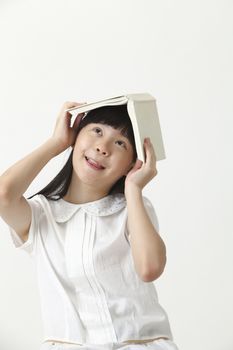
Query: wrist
pixel 133 190
pixel 56 145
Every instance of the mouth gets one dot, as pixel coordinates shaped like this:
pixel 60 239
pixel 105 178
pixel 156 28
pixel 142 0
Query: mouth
pixel 93 164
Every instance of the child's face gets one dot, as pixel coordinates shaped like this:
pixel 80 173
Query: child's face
pixel 107 146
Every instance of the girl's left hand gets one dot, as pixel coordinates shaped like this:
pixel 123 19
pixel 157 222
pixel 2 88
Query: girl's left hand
pixel 142 173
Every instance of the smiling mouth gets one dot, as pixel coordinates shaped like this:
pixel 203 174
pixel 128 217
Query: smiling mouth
pixel 93 165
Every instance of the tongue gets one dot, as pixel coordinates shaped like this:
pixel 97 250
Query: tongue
pixel 97 166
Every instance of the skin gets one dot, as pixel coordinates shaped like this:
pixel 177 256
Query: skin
pixel 110 148
pixel 87 185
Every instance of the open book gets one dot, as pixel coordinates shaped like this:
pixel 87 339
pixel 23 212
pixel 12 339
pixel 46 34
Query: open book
pixel 144 117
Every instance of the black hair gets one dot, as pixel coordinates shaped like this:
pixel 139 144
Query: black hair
pixel 115 116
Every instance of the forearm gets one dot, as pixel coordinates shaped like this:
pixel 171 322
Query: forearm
pixel 15 180
pixel 148 248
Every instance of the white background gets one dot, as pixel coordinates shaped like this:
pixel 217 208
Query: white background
pixel 179 51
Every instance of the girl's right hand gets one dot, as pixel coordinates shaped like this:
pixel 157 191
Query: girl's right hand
pixel 64 136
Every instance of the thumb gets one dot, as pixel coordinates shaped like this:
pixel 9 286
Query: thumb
pixel 136 166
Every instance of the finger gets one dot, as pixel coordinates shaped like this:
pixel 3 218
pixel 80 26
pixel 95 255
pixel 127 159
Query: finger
pixel 138 164
pixel 77 121
pixel 150 154
pixel 70 104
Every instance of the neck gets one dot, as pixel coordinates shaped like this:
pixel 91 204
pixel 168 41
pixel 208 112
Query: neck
pixel 79 192
pixel 83 197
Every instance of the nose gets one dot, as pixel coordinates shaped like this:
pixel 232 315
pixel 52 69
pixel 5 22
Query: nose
pixel 102 149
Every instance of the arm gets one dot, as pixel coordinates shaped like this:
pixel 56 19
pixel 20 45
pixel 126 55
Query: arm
pixel 148 248
pixel 15 180
pixel 14 208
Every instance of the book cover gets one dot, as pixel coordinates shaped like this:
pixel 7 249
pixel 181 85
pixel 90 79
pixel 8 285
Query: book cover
pixel 142 110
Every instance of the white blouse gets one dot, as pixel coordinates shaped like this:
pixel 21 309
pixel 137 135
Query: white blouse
pixel 88 286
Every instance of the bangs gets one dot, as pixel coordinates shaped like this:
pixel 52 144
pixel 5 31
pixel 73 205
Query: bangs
pixel 114 116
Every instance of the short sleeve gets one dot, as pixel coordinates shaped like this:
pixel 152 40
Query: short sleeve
pixel 28 245
pixel 152 215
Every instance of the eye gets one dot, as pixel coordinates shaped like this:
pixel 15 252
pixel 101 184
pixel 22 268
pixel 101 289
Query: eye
pixel 123 143
pixel 97 129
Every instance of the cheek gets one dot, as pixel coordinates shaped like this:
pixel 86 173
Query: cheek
pixel 80 146
pixel 126 164
pixel 78 154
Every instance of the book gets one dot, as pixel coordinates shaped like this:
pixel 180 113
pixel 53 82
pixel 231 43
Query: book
pixel 144 117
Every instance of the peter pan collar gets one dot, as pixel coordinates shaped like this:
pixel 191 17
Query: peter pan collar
pixel 110 204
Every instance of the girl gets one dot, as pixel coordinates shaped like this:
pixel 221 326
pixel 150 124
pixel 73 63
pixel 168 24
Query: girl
pixel 92 235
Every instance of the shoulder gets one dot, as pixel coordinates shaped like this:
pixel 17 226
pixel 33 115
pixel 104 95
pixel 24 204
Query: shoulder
pixel 36 202
pixel 41 205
